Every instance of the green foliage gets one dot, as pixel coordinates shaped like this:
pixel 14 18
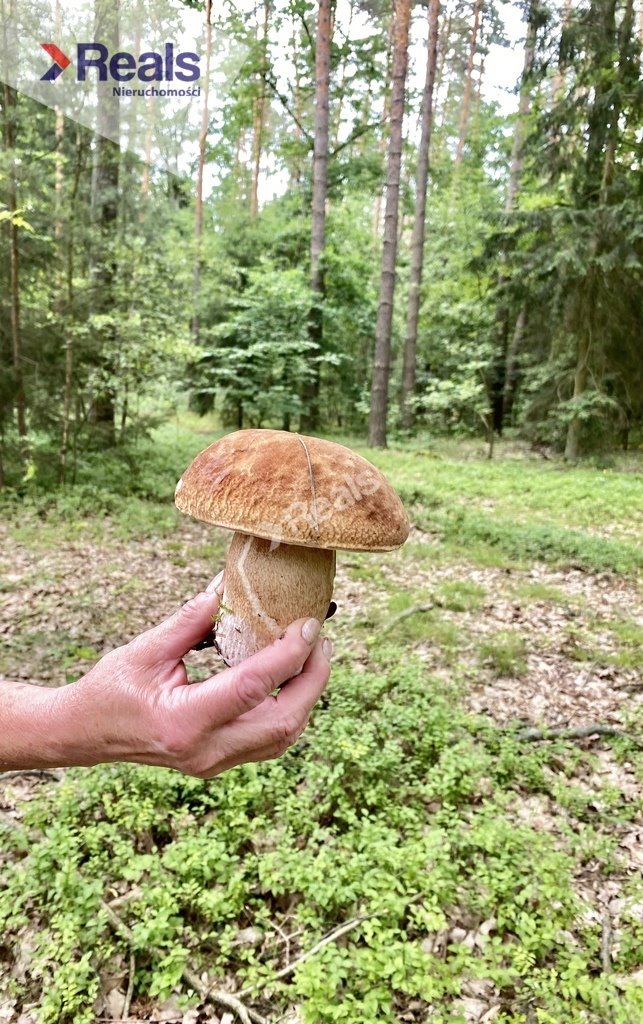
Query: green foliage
pixel 371 816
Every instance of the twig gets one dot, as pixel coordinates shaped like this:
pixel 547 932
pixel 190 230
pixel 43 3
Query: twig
pixel 331 936
pixel 417 609
pixel 130 985
pixel 606 945
pixel 230 1002
pixel 581 732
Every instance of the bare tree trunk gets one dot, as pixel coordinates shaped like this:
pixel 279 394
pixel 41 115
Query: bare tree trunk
pixel 69 348
pixel 572 443
pixel 500 382
pixel 465 109
pixel 310 412
pixel 512 364
pixel 198 202
pixel 386 112
pixel 381 362
pixel 407 413
pixel 147 157
pixel 342 82
pixel 259 115
pixel 9 135
pixel 104 198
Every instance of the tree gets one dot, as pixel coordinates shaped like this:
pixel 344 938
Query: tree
pixel 419 228
pixel 465 108
pixel 310 412
pixel 198 201
pixel 381 362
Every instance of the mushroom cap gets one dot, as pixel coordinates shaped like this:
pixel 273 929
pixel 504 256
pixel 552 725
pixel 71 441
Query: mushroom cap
pixel 295 490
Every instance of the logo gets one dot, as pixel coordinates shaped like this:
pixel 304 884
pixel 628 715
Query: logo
pixel 60 62
pixel 123 66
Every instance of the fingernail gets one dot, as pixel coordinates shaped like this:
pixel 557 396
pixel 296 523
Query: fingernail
pixel 327 648
pixel 310 630
pixel 216 582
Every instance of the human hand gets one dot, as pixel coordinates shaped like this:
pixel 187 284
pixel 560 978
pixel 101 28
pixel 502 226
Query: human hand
pixel 136 704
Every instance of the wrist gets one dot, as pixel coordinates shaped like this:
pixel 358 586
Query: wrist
pixel 32 733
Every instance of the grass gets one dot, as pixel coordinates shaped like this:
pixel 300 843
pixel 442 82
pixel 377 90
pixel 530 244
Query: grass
pixel 466 860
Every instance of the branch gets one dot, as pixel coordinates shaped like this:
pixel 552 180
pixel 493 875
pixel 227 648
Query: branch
pixel 417 609
pixel 217 996
pixel 271 81
pixel 581 732
pixel 356 134
pixel 331 936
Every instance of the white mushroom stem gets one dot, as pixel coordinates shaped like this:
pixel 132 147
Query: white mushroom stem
pixel 267 587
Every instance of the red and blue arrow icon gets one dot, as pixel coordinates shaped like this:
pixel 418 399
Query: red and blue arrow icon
pixel 60 62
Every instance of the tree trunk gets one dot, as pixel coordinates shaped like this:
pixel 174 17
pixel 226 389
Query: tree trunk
pixel 259 115
pixel 342 82
pixel 69 347
pixel 465 109
pixel 310 413
pixel 381 362
pixel 105 183
pixel 386 112
pixel 499 382
pixel 15 326
pixel 407 413
pixel 572 444
pixel 198 201
pixel 512 364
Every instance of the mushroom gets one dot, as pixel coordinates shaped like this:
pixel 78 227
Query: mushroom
pixel 291 501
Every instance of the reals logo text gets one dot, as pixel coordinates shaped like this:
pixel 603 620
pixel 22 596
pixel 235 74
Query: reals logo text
pixel 95 60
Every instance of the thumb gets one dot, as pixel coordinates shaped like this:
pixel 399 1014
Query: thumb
pixel 194 621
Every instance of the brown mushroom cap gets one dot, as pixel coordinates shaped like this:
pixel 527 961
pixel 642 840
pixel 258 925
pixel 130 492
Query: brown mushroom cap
pixel 294 490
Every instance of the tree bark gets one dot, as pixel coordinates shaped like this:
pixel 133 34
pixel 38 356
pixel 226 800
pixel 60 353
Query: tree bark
pixel 310 413
pixel 500 380
pixel 407 413
pixel 386 112
pixel 69 275
pixel 104 199
pixel 465 109
pixel 381 362
pixel 198 201
pixel 259 115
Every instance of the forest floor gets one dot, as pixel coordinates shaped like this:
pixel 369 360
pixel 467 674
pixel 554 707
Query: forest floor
pixel 514 608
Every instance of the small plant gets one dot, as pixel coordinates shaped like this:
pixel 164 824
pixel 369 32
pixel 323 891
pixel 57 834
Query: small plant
pixel 505 653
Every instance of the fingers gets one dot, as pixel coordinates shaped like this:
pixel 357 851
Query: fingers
pixel 299 697
pixel 174 637
pixel 267 731
pixel 240 689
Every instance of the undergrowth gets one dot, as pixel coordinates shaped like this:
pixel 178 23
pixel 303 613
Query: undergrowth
pixel 396 810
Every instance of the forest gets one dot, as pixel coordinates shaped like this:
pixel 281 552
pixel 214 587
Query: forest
pixel 364 243
pixel 415 230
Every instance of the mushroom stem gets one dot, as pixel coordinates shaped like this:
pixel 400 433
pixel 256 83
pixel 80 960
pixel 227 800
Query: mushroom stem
pixel 266 588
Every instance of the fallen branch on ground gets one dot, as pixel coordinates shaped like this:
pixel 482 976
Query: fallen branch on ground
pixel 581 732
pixel 331 936
pixel 216 996
pixel 417 609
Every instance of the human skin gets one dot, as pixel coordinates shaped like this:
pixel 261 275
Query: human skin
pixel 136 703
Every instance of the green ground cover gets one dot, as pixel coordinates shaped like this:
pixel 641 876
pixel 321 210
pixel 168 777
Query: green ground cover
pixel 459 873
